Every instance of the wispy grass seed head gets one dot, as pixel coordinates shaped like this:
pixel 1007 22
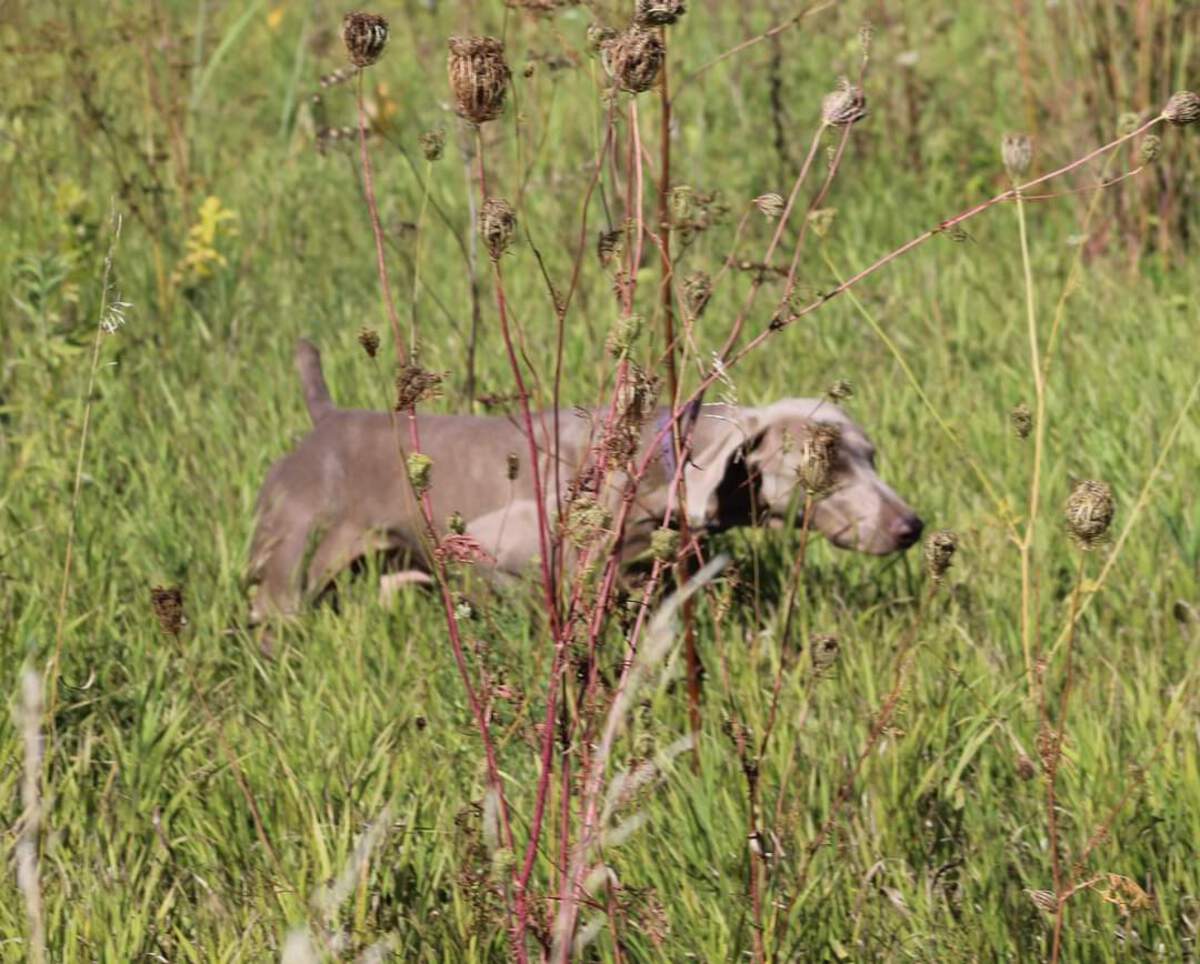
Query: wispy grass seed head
pixel 365 35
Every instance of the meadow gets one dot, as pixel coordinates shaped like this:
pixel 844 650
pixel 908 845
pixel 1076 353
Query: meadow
pixel 998 761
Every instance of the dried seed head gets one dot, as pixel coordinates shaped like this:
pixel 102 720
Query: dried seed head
pixel 771 204
pixel 1089 512
pixel 1017 152
pixel 456 524
pixel 1183 108
pixel 939 552
pixel 634 59
pixel 433 144
pixel 697 289
pixel 1025 768
pixel 1044 900
pixel 512 466
pixel 818 458
pixel 586 521
pixel 478 77
pixel 168 608
pixel 664 545
pixel 598 35
pixel 365 35
pixel 369 339
pixel 623 335
pixel 840 390
pixel 1022 420
pixel 420 469
pixel 866 33
pixel 1149 149
pixel 609 245
pixel 497 225
pixel 415 384
pixel 658 13
pixel 845 106
pixel 1128 122
pixel 825 649
pixel 458 547
pixel 682 203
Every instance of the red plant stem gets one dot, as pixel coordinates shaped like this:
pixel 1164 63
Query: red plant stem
pixel 376 227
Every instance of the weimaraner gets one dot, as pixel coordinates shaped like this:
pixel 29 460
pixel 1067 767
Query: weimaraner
pixel 343 492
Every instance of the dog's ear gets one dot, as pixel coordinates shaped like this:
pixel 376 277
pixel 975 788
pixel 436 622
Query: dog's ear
pixel 719 481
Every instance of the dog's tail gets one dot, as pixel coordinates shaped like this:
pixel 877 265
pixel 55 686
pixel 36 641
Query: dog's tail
pixel 316 392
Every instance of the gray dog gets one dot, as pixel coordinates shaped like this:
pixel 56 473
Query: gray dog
pixel 344 491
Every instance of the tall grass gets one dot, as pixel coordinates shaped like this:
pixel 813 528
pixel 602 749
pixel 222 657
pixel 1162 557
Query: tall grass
pixel 998 770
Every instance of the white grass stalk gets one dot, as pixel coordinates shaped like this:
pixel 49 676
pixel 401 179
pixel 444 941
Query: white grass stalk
pixel 29 719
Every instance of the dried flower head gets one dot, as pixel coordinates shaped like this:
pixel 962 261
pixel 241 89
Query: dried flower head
pixel 821 221
pixel 623 335
pixel 479 77
pixel 770 204
pixel 598 35
pixel 1183 108
pixel 168 608
pixel 365 35
pixel 658 13
pixel 457 547
pixel 634 59
pixel 825 648
pixel 1025 768
pixel 497 225
pixel 697 290
pixel 1044 900
pixel 1149 149
pixel 433 144
pixel 1128 122
pixel 586 521
pixel 512 466
pixel 818 455
pixel 940 548
pixel 1017 153
pixel 1022 420
pixel 1089 512
pixel 840 390
pixel 369 339
pixel 420 471
pixel 845 106
pixel 415 384
pixel 609 245
pixel 664 545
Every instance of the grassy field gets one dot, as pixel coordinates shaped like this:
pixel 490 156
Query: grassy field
pixel 192 799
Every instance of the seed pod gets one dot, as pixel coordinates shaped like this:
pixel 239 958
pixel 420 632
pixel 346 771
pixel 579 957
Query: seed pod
pixel 420 469
pixel 365 35
pixel 697 289
pixel 433 144
pixel 497 225
pixel 1149 149
pixel 1089 512
pixel 369 339
pixel 840 390
pixel 658 13
pixel 1183 108
pixel 824 648
pixel 479 77
pixel 939 552
pixel 167 603
pixel 818 459
pixel 1017 152
pixel 634 59
pixel 1022 420
pixel 770 204
pixel 845 106
pixel 664 545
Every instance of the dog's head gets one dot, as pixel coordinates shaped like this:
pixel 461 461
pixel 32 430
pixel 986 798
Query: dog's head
pixel 747 470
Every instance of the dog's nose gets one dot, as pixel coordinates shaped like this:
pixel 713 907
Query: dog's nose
pixel 907 529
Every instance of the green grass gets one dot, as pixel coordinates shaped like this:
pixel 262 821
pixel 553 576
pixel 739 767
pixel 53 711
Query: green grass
pixel 149 851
